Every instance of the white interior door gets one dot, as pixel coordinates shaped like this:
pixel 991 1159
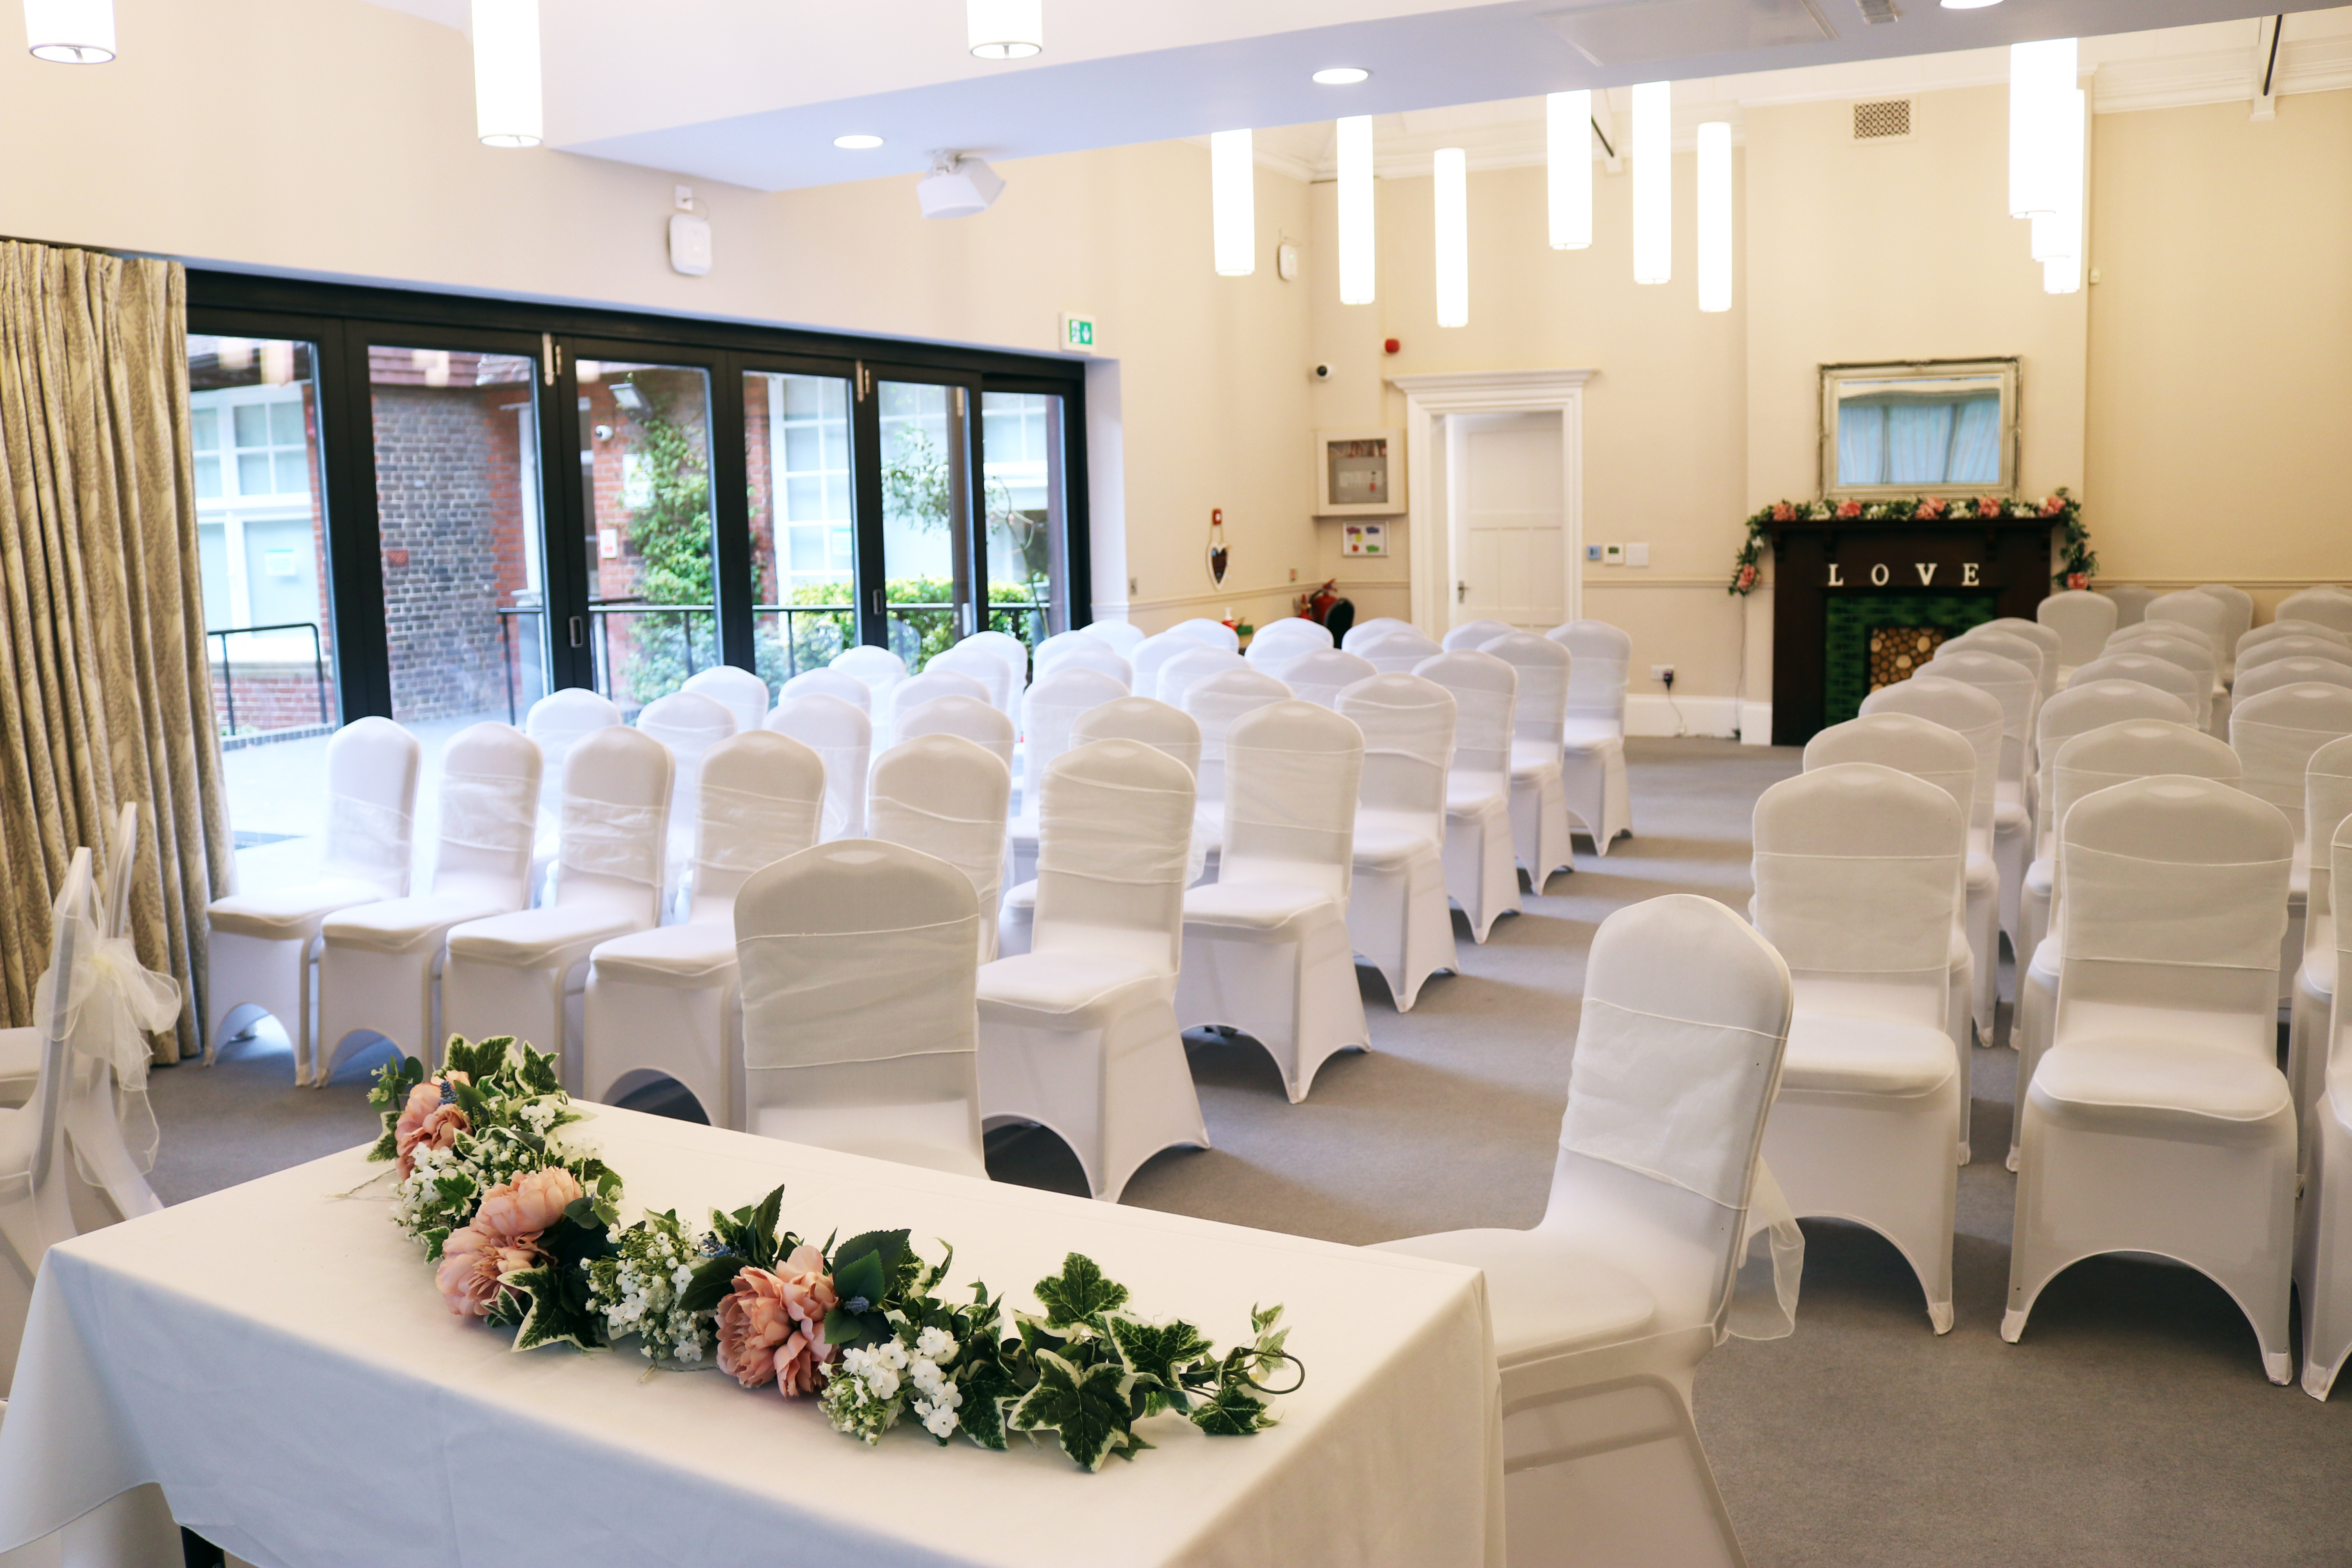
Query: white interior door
pixel 1508 507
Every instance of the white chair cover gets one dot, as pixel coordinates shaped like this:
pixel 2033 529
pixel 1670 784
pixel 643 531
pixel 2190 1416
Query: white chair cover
pixel 842 735
pixel 2284 672
pixel 526 974
pixel 2164 675
pixel 1194 664
pixel 2157 1121
pixel 2083 620
pixel 2327 604
pixel 1858 885
pixel 2322 1253
pixel 1216 634
pixel 1012 650
pixel 690 726
pixel 1151 655
pixel 2327 801
pixel 973 719
pixel 1276 643
pixel 1265 947
pixel 1601 1312
pixel 2275 731
pixel 1539 720
pixel 1078 650
pixel 878 667
pixel 378 963
pixel 1397 650
pixel 933 793
pixel 2254 656
pixel 1479 871
pixel 740 691
pixel 1214 702
pixel 35 1214
pixel 1079 1034
pixel 2131 602
pixel 666 1002
pixel 2240 606
pixel 555 721
pixel 2095 760
pixel 1063 692
pixel 1593 768
pixel 2007 643
pixel 2178 642
pixel 828 682
pixel 1397 913
pixel 2208 615
pixel 2273 631
pixel 1122 636
pixel 985 663
pixel 859 1031
pixel 917 689
pixel 1365 631
pixel 1475 634
pixel 1322 675
pixel 261 948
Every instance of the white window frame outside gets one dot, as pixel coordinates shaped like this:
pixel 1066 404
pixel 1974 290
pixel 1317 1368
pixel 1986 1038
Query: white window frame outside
pixel 233 511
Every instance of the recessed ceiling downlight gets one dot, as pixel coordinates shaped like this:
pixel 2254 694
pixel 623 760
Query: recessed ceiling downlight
pixel 1968 4
pixel 1342 76
pixel 857 142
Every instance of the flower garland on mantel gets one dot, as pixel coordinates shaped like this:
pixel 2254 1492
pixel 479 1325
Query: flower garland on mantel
pixel 521 1224
pixel 2079 563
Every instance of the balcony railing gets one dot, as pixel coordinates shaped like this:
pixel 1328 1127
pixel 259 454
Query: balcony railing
pixel 228 675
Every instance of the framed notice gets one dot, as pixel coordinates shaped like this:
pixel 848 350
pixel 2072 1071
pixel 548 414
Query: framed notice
pixel 1359 473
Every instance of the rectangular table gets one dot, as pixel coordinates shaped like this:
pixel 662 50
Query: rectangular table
pixel 276 1355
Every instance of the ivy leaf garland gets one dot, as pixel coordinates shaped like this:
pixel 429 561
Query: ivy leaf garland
pixel 2078 561
pixel 1082 1370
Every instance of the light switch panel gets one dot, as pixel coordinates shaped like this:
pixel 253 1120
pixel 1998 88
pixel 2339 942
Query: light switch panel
pixel 1613 555
pixel 1592 553
pixel 1637 554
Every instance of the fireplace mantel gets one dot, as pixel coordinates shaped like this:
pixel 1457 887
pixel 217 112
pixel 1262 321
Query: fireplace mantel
pixel 2003 561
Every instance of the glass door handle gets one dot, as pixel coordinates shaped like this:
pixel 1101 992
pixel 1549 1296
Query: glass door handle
pixel 579 631
pixel 881 607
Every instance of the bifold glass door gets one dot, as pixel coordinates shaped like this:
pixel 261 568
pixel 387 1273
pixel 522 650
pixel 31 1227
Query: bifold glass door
pixel 797 446
pixel 926 516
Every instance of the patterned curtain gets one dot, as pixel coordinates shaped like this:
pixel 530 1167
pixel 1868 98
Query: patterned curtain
pixel 105 694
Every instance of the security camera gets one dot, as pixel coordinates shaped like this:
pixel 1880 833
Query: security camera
pixel 1322 373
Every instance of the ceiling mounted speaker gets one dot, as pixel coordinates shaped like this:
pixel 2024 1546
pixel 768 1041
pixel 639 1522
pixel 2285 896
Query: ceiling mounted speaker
pixel 958 186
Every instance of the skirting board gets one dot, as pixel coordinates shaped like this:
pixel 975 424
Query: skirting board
pixel 1723 717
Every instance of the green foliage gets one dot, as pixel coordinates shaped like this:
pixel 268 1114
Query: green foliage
pixel 1079 1294
pixel 560 1305
pixel 2060 509
pixel 1082 1399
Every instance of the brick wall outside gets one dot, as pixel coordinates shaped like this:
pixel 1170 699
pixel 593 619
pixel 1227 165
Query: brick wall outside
pixel 449 514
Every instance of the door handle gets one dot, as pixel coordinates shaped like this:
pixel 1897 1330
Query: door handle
pixel 1461 593
pixel 579 632
pixel 881 606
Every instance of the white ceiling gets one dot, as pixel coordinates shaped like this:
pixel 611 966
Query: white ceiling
pixel 753 91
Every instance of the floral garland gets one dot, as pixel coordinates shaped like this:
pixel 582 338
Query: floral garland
pixel 2079 566
pixel 521 1224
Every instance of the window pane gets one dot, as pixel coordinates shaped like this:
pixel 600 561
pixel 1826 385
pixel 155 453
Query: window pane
pixel 261 543
pixel 646 469
pixel 457 463
pixel 796 453
pixel 922 497
pixel 1021 450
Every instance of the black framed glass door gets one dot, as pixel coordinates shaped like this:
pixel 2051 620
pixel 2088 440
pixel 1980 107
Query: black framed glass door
pixel 922 545
pixel 801 448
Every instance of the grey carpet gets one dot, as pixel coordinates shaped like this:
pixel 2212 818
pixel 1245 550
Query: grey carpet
pixel 2133 1425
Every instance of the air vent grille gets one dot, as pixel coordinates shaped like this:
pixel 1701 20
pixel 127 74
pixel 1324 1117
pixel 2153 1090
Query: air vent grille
pixel 1877 11
pixel 1881 119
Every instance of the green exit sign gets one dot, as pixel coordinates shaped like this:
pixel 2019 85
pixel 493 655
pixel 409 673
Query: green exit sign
pixel 1078 333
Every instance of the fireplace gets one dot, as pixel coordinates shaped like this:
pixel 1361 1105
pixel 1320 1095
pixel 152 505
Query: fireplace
pixel 1839 585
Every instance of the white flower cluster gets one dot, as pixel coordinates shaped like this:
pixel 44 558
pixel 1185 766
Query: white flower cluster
pixel 867 1387
pixel 637 1289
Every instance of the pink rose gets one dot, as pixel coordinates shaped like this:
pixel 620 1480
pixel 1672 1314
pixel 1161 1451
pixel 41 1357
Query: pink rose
pixel 472 1264
pixel 2050 505
pixel 1849 508
pixel 426 1122
pixel 1932 507
pixel 1783 512
pixel 1987 506
pixel 517 1212
pixel 1747 578
pixel 752 1324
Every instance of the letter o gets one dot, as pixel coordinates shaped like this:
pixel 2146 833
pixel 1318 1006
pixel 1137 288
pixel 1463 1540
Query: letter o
pixel 1878 575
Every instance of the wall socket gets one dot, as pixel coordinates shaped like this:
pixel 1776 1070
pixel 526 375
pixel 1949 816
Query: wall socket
pixel 1663 673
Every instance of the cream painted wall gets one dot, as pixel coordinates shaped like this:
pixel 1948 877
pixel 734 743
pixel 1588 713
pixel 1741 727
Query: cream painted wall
pixel 2221 345
pixel 200 144
pixel 1664 418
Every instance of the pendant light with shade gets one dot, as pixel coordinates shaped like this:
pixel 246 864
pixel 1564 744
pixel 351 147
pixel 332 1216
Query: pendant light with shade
pixel 1715 216
pixel 71 32
pixel 1452 169
pixel 1232 202
pixel 507 111
pixel 2046 146
pixel 1005 29
pixel 1356 230
pixel 1568 158
pixel 1654 183
pixel 2060 234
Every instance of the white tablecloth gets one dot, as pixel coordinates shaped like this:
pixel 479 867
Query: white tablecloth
pixel 277 1357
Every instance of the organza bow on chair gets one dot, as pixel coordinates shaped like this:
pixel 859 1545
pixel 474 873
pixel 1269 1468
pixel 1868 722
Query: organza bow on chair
pixel 112 1004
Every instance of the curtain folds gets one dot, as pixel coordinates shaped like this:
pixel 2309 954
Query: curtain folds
pixel 105 691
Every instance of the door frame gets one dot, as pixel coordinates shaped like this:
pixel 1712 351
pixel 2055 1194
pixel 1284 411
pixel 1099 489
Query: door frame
pixel 1430 400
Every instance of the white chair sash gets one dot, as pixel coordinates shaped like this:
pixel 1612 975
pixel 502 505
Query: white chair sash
pixel 366 841
pixel 112 1003
pixel 742 830
pixel 491 812
pixel 604 839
